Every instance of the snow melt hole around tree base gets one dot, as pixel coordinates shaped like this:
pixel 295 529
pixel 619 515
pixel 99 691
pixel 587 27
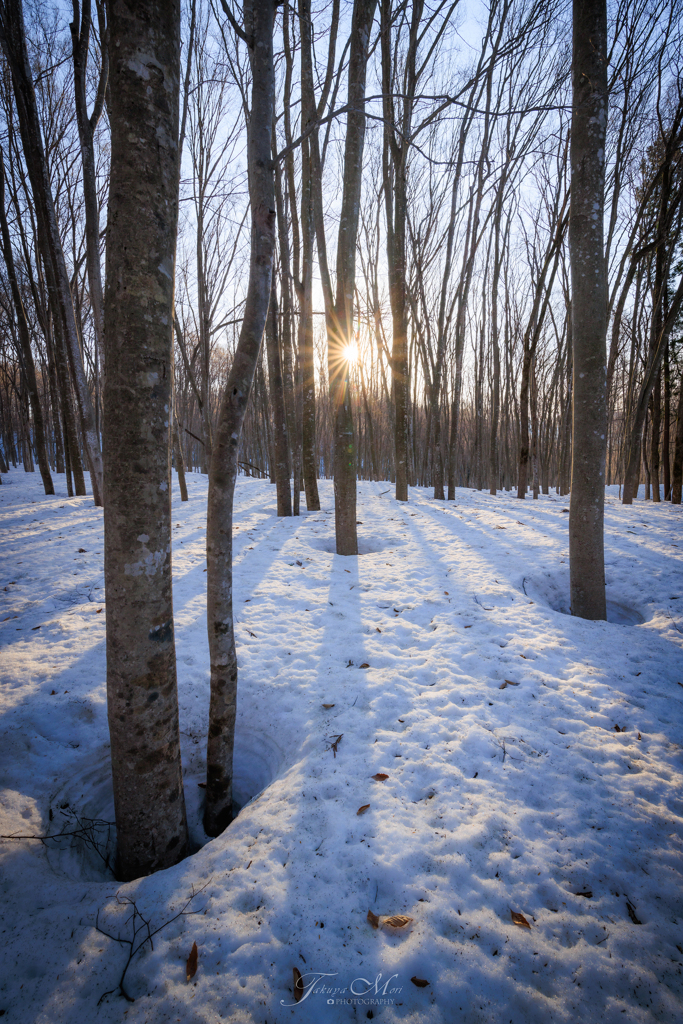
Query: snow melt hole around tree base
pixel 552 590
pixel 81 843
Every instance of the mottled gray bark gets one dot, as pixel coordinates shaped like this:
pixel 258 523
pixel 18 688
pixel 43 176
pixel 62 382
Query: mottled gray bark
pixel 588 309
pixel 138 408
pixel 258 31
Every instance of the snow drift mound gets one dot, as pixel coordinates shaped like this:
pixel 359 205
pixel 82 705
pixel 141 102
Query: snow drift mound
pixel 552 590
pixel 82 843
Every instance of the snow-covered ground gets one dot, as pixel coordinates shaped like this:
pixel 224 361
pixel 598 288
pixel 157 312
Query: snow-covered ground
pixel 441 660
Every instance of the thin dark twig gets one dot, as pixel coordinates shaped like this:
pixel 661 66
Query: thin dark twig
pixel 141 926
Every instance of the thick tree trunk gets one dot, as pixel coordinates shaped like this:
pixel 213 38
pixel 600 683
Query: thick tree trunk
pixel 258 26
pixel 589 309
pixel 141 239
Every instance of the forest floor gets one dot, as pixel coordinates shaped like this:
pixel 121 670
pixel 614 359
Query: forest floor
pixel 533 763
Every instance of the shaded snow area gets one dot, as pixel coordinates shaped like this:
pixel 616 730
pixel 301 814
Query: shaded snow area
pixel 533 767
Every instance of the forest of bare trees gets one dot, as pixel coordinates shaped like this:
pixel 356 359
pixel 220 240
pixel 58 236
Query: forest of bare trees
pixel 412 175
pixel 460 331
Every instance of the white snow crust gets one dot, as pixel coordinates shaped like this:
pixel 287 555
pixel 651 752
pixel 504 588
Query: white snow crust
pixel 501 797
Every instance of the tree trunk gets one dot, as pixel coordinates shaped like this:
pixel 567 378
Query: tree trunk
pixel 258 25
pixel 13 40
pixel 80 36
pixel 141 239
pixel 179 461
pixel 277 401
pixel 589 309
pixel 677 470
pixel 28 366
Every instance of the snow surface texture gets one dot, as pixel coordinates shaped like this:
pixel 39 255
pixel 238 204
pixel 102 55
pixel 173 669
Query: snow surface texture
pixel 501 797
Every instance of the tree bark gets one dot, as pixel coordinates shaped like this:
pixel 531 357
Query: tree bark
pixel 277 401
pixel 589 309
pixel 258 28
pixel 141 240
pixel 80 36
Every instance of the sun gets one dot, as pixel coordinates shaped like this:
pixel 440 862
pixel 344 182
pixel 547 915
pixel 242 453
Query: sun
pixel 350 353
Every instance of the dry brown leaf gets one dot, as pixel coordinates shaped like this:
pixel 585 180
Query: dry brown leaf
pixel 420 982
pixel 298 984
pixel 363 809
pixel 335 745
pixel 373 919
pixel 503 685
pixel 511 682
pixel 191 965
pixel 396 921
pixel 519 919
pixel 364 665
pixel 328 706
pixel 380 777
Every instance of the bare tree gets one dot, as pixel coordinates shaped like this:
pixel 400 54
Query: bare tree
pixel 141 243
pixel 589 309
pixel 258 35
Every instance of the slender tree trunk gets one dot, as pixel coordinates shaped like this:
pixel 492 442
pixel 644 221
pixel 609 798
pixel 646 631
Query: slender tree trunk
pixel 138 401
pixel 258 27
pixel 656 434
pixel 28 366
pixel 13 41
pixel 677 470
pixel 589 309
pixel 179 461
pixel 666 432
pixel 80 36
pixel 277 400
pixel 339 309
pixel 306 352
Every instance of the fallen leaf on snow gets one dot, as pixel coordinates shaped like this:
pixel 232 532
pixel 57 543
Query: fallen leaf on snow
pixel 298 984
pixel 363 809
pixel 328 706
pixel 191 965
pixel 519 919
pixel 364 665
pixel 336 743
pixel 380 777
pixel 420 982
pixel 395 921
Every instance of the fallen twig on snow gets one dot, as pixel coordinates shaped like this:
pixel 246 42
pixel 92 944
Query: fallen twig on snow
pixel 141 926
